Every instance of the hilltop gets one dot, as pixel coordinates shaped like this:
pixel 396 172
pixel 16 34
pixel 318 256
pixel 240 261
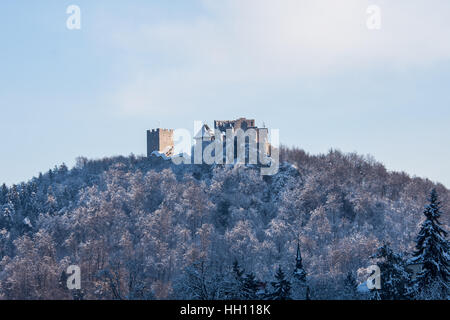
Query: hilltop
pixel 137 225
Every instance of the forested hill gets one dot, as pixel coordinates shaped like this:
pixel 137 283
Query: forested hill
pixel 140 228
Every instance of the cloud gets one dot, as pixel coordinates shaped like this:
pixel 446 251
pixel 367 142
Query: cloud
pixel 239 42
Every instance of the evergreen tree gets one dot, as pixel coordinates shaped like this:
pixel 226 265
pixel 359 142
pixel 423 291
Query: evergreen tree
pixel 235 285
pixel 250 287
pixel 395 275
pixel 63 169
pixel 3 194
pixel 350 287
pixel 222 215
pixel 281 287
pixel 432 252
pixel 241 286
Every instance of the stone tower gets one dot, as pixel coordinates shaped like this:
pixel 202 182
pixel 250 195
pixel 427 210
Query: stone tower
pixel 160 140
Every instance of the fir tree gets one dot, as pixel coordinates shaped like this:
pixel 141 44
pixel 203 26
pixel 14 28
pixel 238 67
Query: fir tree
pixel 281 287
pixel 3 194
pixel 350 287
pixel 432 252
pixel 241 286
pixel 395 275
pixel 235 285
pixel 250 287
pixel 222 215
pixel 63 169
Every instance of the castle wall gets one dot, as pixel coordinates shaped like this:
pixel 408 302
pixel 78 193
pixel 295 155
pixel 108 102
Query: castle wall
pixel 261 144
pixel 166 143
pixel 161 140
pixel 241 123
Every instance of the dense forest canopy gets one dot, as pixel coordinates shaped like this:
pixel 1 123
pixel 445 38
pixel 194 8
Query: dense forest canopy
pixel 144 228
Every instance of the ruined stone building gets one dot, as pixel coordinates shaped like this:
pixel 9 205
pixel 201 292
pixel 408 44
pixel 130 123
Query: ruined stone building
pixel 244 124
pixel 161 140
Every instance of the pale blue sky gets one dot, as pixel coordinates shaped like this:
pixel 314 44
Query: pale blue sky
pixel 309 68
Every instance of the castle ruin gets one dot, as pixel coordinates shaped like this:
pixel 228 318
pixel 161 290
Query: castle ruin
pixel 162 141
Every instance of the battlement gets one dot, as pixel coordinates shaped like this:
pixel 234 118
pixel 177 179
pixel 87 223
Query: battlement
pixel 161 140
pixel 241 123
pixel 158 130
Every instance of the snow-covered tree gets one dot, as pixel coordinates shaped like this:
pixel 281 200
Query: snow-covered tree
pixel 250 287
pixel 240 285
pixel 395 275
pixel 432 253
pixel 143 228
pixel 281 287
pixel 233 285
pixel 3 194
